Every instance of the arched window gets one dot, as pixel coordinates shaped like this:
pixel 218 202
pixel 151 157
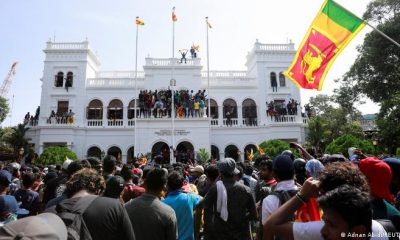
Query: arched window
pixel 95 110
pixel 230 106
pixel 214 108
pixel 249 112
pixel 115 109
pixel 59 79
pixel 94 152
pixel 69 80
pixel 282 80
pixel 274 83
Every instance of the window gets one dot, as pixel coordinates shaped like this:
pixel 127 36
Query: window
pixel 282 80
pixel 62 107
pixel 115 110
pixel 95 110
pixel 273 79
pixel 230 106
pixel 59 79
pixel 69 80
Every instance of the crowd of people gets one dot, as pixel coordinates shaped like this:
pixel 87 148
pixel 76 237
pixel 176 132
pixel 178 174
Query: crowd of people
pixel 61 117
pixel 158 104
pixel 276 109
pixel 280 198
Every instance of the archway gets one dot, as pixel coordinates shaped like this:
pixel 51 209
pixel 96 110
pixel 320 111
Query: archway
pixel 184 152
pixel 160 152
pixel 231 107
pixel 130 154
pixel 94 152
pixel 247 151
pixel 249 112
pixel 214 152
pixel 116 152
pixel 115 109
pixel 95 109
pixel 232 152
pixel 214 109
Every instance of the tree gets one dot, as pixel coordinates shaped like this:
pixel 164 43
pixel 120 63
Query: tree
pixel 377 69
pixel 17 138
pixel 56 155
pixel 343 143
pixel 4 109
pixel 317 133
pixel 202 156
pixel 273 147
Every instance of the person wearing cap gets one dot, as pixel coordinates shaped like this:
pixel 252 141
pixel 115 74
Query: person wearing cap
pixel 379 175
pixel 283 170
pixel 131 189
pixel 45 226
pixel 5 181
pixel 198 177
pixel 10 210
pixel 114 187
pixel 183 204
pixel 228 206
pixel 50 191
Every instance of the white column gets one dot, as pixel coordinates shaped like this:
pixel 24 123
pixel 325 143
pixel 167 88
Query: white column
pixel 105 123
pixel 240 115
pixel 125 115
pixel 220 116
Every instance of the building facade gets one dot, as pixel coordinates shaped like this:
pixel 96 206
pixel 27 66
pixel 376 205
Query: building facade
pixel 93 111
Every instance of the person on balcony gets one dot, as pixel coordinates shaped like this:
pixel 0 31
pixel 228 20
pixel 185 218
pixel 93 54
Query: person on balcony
pixel 183 53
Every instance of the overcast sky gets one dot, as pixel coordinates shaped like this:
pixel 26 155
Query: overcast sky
pixel 110 29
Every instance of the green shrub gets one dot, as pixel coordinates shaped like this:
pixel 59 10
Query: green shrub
pixel 56 155
pixel 343 143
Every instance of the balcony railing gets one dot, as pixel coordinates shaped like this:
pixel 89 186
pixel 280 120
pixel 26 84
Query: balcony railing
pixel 131 122
pixel 231 122
pixel 115 123
pixel 214 122
pixel 250 122
pixel 95 123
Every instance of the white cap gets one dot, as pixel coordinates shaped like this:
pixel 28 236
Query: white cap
pixel 66 164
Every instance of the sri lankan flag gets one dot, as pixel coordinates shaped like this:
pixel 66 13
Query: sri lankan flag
pixel 174 17
pixel 330 32
pixel 139 21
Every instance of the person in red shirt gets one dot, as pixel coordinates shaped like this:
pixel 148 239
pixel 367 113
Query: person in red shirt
pixel 131 188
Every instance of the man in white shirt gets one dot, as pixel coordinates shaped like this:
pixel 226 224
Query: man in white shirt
pixel 283 170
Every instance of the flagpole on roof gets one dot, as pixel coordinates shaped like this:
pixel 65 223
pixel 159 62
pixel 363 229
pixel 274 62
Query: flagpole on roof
pixel 208 87
pixel 172 84
pixel 136 98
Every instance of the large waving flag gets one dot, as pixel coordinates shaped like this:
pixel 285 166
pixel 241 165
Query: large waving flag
pixel 330 32
pixel 174 17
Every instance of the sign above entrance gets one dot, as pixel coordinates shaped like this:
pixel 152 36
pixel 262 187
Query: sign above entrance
pixel 169 132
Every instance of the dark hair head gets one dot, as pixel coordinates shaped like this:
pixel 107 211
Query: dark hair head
pixel 156 179
pixel 266 163
pixel 28 179
pixel 248 169
pixel 114 187
pixel 73 167
pixel 126 172
pixel 175 180
pixel 85 179
pixel 340 173
pixel 211 172
pixel 259 159
pixel 94 161
pixel 352 204
pixel 109 163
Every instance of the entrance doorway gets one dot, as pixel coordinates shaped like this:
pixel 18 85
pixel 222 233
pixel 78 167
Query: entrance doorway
pixel 184 152
pixel 232 151
pixel 160 153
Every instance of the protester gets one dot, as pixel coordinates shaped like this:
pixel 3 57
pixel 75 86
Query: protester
pixel 151 219
pixel 28 198
pixel 228 206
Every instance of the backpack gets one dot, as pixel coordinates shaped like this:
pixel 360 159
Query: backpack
pixel 283 197
pixel 72 217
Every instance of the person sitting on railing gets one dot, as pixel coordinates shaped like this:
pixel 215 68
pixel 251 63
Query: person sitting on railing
pixel 228 118
pixel 196 108
pixel 70 117
pixel 191 107
pixel 202 108
pixel 32 121
pixel 26 118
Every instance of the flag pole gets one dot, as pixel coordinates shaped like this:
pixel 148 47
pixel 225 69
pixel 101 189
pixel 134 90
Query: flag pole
pixel 374 28
pixel 172 83
pixel 208 87
pixel 136 98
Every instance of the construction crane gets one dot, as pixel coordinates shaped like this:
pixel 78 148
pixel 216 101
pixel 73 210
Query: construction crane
pixel 5 87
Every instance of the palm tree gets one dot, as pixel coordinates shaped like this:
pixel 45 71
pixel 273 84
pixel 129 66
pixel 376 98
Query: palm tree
pixel 17 138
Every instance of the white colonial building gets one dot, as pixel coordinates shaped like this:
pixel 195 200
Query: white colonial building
pixel 72 80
